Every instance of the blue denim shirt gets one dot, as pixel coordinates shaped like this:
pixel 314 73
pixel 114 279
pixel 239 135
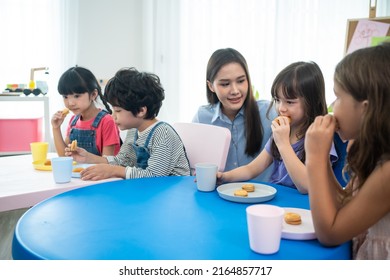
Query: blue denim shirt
pixel 212 114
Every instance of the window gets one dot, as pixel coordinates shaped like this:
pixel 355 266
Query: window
pixel 36 33
pixel 270 35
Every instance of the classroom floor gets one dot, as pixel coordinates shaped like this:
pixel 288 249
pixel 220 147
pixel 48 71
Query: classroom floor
pixel 8 220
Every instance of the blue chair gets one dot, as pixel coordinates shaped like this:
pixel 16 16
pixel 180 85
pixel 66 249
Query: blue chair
pixel 341 149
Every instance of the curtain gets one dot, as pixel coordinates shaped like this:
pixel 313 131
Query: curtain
pixel 36 33
pixel 165 52
pixel 270 35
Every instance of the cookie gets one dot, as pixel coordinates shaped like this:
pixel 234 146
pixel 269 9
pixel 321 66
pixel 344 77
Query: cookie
pixel 249 187
pixel 292 218
pixel 73 146
pixel 241 192
pixel 47 162
pixel 77 169
pixel 65 111
pixel 278 121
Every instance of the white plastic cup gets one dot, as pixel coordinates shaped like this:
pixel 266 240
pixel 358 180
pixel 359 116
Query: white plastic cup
pixel 264 227
pixel 206 176
pixel 62 169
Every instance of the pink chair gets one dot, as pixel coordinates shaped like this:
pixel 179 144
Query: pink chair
pixel 204 143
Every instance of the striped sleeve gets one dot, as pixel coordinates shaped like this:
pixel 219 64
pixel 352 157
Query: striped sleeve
pixel 167 155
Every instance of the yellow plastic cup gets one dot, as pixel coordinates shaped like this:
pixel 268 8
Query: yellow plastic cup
pixel 39 151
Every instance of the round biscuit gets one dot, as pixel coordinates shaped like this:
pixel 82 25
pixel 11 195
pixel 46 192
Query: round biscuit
pixel 277 119
pixel 77 169
pixel 65 111
pixel 241 192
pixel 292 218
pixel 248 187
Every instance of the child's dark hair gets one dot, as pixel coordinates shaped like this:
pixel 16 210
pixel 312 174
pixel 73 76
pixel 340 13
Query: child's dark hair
pixel 80 80
pixel 301 80
pixel 132 90
pixel 253 128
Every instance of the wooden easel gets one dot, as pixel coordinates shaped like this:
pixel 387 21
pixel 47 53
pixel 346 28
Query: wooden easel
pixel 352 23
pixel 372 13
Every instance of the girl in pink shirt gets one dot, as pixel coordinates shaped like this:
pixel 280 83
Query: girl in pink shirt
pixel 93 128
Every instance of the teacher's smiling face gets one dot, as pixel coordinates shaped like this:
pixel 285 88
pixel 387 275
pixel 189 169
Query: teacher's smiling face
pixel 231 87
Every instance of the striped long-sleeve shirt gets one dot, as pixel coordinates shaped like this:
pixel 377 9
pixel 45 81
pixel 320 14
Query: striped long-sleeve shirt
pixel 167 154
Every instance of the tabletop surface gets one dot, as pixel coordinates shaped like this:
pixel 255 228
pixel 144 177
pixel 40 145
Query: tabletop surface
pixel 164 218
pixel 22 186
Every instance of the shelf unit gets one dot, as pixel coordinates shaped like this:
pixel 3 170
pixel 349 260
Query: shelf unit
pixel 46 117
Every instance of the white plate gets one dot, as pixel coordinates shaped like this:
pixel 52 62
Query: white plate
pixel 82 165
pixel 262 192
pixel 304 231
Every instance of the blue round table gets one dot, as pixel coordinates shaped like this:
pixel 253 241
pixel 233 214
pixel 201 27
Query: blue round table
pixel 162 218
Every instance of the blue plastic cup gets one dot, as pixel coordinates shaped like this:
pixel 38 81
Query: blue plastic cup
pixel 62 169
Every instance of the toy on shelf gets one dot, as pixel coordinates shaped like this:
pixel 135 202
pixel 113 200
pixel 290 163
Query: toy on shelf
pixel 32 88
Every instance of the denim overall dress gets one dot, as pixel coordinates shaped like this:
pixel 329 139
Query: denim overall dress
pixel 86 138
pixel 142 153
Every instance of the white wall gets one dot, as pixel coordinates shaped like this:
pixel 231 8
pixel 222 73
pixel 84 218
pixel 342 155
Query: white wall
pixel 110 36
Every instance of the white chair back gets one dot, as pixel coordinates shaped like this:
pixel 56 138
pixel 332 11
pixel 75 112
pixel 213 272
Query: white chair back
pixel 204 143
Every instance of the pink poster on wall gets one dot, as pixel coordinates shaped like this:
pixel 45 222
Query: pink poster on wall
pixel 365 30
